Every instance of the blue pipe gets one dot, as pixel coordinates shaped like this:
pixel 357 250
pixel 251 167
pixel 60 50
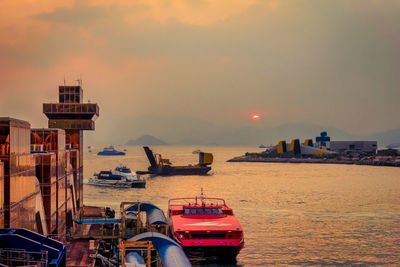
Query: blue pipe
pixel 134 259
pixel 171 254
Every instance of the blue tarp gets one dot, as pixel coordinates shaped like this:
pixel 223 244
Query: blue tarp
pixel 154 214
pixel 171 254
pixel 14 238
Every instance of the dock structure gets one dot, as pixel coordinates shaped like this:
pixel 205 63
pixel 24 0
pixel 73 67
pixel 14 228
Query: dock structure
pixel 21 201
pixel 43 221
pixel 73 116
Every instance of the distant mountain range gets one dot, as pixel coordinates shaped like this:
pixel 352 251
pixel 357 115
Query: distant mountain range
pixel 268 135
pixel 146 140
pixel 192 131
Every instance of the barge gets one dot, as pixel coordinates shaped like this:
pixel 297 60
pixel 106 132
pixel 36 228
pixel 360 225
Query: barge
pixel 163 167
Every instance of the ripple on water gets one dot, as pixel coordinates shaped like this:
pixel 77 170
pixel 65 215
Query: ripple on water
pixel 292 214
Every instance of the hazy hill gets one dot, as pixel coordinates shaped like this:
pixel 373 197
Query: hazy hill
pixel 387 137
pixel 146 140
pixel 193 131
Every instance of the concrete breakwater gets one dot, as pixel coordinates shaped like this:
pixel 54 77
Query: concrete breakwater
pixel 390 162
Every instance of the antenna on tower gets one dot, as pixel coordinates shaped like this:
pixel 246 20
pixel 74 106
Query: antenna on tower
pixel 64 80
pixel 79 80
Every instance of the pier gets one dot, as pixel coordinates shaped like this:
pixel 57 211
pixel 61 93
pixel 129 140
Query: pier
pixel 392 162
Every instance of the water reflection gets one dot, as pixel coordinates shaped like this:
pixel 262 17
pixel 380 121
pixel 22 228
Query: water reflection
pixel 292 214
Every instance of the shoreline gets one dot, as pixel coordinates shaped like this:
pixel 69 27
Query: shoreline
pixel 257 159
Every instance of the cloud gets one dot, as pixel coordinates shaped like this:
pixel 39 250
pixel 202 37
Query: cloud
pixel 329 62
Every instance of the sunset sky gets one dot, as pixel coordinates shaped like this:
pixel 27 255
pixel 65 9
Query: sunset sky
pixel 331 63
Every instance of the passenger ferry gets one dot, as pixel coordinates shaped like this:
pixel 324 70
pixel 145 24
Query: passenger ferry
pixel 111 151
pixel 206 228
pixel 113 179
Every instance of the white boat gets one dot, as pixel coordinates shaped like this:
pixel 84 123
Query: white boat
pixel 123 170
pixel 130 181
pixel 109 183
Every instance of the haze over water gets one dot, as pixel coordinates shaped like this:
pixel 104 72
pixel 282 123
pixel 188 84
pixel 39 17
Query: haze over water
pixel 292 214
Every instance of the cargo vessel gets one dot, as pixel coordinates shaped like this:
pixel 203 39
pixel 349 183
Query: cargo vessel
pixel 206 228
pixel 164 167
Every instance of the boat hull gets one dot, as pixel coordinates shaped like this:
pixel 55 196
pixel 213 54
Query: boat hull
pixel 220 254
pixel 105 153
pixel 168 170
pixel 112 183
pixel 141 184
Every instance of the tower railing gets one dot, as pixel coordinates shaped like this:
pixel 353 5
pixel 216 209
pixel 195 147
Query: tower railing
pixel 71 108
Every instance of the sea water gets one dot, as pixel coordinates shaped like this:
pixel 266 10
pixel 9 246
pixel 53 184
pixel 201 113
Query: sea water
pixel 292 214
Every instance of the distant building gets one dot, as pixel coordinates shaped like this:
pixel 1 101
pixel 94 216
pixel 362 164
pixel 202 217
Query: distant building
pixel 322 140
pixel 359 146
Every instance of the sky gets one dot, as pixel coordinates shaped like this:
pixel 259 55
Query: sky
pixel 159 66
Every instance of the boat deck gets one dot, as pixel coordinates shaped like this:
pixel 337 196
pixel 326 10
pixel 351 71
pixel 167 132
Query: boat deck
pixel 92 212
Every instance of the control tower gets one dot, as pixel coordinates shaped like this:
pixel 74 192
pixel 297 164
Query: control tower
pixel 74 116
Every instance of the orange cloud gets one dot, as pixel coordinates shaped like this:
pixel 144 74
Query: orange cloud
pixel 17 22
pixel 196 13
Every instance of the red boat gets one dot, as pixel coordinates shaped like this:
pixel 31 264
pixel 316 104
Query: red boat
pixel 206 228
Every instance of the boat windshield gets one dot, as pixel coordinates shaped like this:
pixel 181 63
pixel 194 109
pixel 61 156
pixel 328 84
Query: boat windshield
pixel 123 169
pixel 202 211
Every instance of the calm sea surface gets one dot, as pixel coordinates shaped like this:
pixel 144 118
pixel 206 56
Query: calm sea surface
pixel 292 214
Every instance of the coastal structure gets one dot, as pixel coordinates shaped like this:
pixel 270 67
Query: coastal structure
pixel 41 172
pixel 323 140
pixel 325 151
pixel 73 116
pixel 356 146
pixel 58 173
pixel 43 221
pixel 22 205
pixel 297 149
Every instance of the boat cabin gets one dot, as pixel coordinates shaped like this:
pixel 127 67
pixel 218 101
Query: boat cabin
pixel 108 175
pixel 204 207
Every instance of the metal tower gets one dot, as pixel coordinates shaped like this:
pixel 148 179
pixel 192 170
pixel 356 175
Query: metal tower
pixel 74 117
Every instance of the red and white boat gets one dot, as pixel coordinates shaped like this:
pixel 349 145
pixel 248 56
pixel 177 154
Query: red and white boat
pixel 206 228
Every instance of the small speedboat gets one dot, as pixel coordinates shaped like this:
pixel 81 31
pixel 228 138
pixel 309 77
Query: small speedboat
pixel 110 151
pixel 206 228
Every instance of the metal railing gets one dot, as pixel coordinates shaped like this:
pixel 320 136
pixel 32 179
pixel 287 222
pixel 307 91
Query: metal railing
pixel 20 257
pixel 72 124
pixel 80 108
pixel 102 231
